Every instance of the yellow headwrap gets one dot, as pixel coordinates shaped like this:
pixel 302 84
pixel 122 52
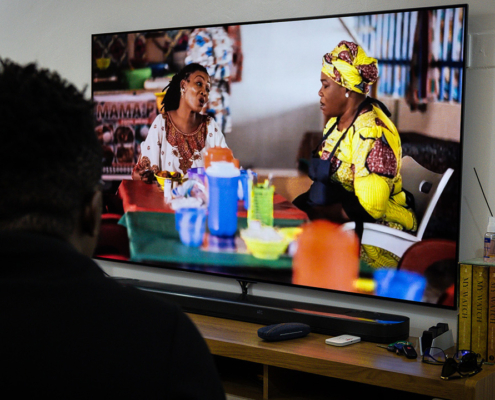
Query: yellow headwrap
pixel 349 66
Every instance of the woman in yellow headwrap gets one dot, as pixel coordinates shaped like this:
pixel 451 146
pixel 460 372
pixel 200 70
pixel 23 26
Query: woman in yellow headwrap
pixel 355 169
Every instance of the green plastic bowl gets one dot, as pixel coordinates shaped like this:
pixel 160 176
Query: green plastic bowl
pixel 137 77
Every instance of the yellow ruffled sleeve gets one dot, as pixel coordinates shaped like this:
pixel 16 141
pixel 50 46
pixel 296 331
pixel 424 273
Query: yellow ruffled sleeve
pixel 372 190
pixel 373 194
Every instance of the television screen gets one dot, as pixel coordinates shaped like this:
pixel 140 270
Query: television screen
pixel 265 98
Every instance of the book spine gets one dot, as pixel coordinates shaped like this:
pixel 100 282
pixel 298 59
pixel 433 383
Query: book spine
pixel 491 316
pixel 464 306
pixel 479 312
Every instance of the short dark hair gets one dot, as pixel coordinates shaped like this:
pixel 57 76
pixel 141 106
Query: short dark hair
pixel 51 157
pixel 172 97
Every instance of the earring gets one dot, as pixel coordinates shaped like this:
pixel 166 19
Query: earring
pixel 347 94
pixel 182 91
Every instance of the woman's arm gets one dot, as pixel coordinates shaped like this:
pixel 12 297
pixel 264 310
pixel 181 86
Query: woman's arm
pixel 373 193
pixel 149 161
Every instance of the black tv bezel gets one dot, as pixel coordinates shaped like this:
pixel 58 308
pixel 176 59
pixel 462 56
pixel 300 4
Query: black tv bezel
pixel 186 267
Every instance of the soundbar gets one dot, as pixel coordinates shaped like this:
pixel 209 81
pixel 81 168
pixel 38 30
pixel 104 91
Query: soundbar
pixel 333 321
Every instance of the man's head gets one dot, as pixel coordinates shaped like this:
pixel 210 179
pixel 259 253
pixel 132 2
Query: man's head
pixel 51 159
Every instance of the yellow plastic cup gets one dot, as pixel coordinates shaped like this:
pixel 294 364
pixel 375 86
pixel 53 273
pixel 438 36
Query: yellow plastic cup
pixel 261 204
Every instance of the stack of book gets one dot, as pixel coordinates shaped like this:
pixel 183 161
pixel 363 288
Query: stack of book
pixel 476 305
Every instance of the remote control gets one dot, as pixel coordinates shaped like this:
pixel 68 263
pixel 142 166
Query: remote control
pixel 342 340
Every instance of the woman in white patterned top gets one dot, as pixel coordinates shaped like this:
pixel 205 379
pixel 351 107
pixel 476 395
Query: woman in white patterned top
pixel 178 139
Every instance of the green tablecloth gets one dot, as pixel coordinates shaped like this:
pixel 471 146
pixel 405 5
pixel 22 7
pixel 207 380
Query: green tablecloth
pixel 153 238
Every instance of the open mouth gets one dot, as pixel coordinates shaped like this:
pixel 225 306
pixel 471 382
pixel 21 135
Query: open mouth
pixel 202 101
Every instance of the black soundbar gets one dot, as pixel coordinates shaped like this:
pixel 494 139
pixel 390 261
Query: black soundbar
pixel 370 326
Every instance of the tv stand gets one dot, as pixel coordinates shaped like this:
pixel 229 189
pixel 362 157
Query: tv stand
pixel 245 285
pixel 307 368
pixel 370 326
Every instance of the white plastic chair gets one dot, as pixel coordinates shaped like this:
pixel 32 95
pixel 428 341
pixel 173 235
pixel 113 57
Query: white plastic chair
pixel 426 187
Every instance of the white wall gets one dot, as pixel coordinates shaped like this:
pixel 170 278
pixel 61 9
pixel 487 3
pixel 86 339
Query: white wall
pixel 285 103
pixel 56 34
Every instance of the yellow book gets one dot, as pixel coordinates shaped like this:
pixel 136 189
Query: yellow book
pixel 479 312
pixel 464 306
pixel 491 316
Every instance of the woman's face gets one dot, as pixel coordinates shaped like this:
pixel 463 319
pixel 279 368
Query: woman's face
pixel 332 98
pixel 196 90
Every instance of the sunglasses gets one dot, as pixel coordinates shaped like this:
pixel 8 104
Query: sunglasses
pixel 464 362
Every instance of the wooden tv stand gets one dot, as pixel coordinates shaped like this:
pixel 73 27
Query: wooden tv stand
pixel 307 368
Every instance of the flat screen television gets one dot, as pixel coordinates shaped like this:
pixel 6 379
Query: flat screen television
pixel 268 78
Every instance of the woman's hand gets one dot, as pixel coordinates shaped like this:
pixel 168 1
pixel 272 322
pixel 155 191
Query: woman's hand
pixel 142 171
pixel 146 175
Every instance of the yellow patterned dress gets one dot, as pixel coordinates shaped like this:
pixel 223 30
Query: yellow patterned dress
pixel 367 163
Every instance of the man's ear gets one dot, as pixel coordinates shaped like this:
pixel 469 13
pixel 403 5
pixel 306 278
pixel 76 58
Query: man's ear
pixel 91 216
pixel 85 235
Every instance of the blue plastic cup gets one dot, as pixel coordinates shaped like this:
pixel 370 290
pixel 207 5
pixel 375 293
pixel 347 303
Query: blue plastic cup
pixel 191 224
pixel 222 205
pixel 403 285
pixel 245 187
pixel 196 173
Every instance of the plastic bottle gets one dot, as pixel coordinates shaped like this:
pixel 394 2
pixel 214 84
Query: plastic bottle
pixel 167 189
pixel 489 247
